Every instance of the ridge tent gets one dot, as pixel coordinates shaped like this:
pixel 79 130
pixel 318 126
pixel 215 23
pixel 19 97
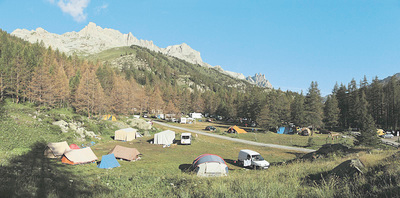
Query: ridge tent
pixel 209 165
pixel 79 156
pixel 236 129
pixel 108 161
pixel 285 130
pixel 109 117
pixel 56 149
pixel 127 134
pixel 74 146
pixel 165 137
pixel 125 153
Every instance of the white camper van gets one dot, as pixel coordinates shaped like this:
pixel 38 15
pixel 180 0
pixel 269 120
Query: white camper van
pixel 249 158
pixel 186 138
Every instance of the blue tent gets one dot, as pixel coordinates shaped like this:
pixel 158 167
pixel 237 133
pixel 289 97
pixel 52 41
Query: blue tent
pixel 108 161
pixel 285 130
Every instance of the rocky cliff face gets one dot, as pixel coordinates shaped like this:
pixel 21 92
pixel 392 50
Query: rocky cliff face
pixel 94 39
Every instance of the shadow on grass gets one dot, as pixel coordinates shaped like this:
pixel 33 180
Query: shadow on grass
pixel 185 167
pixel 34 175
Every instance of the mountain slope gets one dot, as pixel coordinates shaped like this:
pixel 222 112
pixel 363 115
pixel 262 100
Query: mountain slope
pixel 93 39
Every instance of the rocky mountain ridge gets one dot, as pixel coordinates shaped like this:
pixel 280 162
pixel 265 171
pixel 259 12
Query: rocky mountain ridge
pixel 94 39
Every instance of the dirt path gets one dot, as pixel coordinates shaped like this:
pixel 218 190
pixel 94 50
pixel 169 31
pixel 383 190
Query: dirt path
pixel 238 140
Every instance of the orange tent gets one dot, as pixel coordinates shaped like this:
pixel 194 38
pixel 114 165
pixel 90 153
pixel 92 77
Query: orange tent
pixel 236 129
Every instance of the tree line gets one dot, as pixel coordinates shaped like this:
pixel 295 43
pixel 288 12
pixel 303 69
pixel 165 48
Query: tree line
pixel 32 72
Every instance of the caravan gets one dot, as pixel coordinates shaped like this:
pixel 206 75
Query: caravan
pixel 186 138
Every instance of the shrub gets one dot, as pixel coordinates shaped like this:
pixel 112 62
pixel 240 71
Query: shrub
pixel 310 142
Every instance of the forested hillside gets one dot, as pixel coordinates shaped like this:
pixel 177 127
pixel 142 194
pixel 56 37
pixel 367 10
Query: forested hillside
pixel 132 79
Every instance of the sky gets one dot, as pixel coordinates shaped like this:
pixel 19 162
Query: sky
pixel 292 42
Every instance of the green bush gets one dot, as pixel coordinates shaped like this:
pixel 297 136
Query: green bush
pixel 310 142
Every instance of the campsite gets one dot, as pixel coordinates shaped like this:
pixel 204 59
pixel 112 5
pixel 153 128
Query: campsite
pixel 164 171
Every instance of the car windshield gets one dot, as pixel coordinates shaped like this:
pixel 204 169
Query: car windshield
pixel 257 158
pixel 185 137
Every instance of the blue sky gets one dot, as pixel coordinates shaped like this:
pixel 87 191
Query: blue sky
pixel 291 42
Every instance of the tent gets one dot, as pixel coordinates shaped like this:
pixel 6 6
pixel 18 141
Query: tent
pixel 285 130
pixel 236 129
pixel 74 146
pixel 109 117
pixel 79 156
pixel 56 149
pixel 125 153
pixel 127 134
pixel 209 165
pixel 305 131
pixel 165 137
pixel 108 161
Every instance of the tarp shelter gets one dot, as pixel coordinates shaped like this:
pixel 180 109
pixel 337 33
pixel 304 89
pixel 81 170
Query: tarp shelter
pixel 56 149
pixel 108 161
pixel 74 146
pixel 209 165
pixel 165 137
pixel 127 134
pixel 125 153
pixel 285 130
pixel 109 117
pixel 79 156
pixel 236 129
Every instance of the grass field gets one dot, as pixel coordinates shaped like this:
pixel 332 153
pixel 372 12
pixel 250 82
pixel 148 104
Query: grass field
pixel 269 137
pixel 25 172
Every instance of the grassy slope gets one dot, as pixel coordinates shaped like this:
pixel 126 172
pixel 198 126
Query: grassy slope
pixel 158 173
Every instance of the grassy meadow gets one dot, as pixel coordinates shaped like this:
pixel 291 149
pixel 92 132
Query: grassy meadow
pixel 25 172
pixel 270 137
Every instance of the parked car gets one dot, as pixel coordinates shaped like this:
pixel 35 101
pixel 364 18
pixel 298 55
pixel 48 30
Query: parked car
pixel 210 128
pixel 388 135
pixel 249 158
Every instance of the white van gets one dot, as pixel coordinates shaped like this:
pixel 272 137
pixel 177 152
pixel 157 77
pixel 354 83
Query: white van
pixel 186 138
pixel 249 158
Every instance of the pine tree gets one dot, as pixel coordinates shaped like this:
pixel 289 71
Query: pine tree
pixel 297 110
pixel 331 112
pixel 375 98
pixel 343 104
pixel 313 106
pixel 268 119
pixel 365 122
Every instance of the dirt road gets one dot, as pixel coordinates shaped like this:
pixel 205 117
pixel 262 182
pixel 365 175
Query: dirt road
pixel 238 140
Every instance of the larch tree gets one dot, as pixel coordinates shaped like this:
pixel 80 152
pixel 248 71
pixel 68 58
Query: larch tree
pixel 89 96
pixel 156 103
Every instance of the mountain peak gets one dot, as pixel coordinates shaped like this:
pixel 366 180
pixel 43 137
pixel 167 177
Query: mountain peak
pixel 94 39
pixel 259 80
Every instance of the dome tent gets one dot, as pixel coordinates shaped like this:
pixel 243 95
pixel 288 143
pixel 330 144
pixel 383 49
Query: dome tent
pixel 207 165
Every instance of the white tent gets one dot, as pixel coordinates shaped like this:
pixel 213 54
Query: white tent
pixel 56 149
pixel 164 137
pixel 127 134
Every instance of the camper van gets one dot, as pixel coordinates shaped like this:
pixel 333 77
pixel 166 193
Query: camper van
pixel 186 138
pixel 249 158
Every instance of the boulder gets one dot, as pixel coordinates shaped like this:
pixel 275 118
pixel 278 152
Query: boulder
pixel 63 125
pixel 140 124
pixel 348 168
